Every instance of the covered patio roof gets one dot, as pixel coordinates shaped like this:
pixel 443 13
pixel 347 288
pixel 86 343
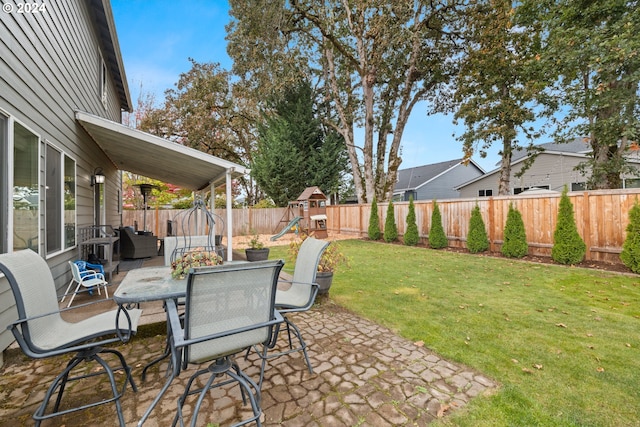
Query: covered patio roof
pixel 154 157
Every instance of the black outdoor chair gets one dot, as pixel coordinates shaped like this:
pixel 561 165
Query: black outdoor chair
pixel 41 331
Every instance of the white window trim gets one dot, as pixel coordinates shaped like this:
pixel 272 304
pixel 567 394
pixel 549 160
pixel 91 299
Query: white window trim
pixel 63 154
pixel 11 164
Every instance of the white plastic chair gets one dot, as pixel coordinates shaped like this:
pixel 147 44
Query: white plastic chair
pixel 88 279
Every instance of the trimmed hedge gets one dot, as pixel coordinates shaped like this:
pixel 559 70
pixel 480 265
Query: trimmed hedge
pixel 630 255
pixel 390 228
pixel 437 238
pixel 411 235
pixel 568 246
pixel 477 240
pixel 374 221
pixel 515 238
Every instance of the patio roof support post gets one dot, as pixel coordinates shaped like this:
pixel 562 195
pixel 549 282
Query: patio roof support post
pixel 229 215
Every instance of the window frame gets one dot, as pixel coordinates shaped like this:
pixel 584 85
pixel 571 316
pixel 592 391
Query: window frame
pixel 9 191
pixel 61 214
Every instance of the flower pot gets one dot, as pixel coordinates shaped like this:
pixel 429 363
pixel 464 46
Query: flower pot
pixel 257 254
pixel 324 280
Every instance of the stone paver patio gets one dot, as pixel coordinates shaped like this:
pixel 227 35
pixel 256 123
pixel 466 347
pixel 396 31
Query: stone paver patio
pixel 364 375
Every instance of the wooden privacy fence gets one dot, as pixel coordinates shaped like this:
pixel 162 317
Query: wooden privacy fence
pixel 245 221
pixel 601 218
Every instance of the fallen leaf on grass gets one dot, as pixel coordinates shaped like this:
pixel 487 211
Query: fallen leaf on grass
pixel 419 343
pixel 561 325
pixel 537 366
pixel 442 410
pixel 515 360
pixel 600 369
pixel 527 371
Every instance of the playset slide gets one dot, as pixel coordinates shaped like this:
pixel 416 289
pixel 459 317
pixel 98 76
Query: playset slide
pixel 286 229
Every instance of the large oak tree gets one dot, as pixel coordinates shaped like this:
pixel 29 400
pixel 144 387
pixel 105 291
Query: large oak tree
pixel 374 59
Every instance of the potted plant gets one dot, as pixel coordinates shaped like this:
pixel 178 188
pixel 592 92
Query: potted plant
pixel 256 251
pixel 330 260
pixel 198 257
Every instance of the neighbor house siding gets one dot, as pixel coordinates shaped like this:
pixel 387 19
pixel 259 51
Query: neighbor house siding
pixel 548 170
pixel 442 187
pixel 49 67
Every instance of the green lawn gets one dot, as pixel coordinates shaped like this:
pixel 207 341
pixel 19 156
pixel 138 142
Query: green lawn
pixel 563 342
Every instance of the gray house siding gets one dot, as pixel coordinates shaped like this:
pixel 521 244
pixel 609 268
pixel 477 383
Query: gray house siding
pixel 550 171
pixel 50 65
pixel 434 181
pixel 442 187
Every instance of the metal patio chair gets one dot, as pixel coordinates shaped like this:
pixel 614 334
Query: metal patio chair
pixel 228 308
pixel 41 331
pixel 89 276
pixel 299 296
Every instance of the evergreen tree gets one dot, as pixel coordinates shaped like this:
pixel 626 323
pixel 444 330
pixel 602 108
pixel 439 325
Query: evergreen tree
pixel 374 222
pixel 630 254
pixel 568 246
pixel 477 240
pixel 411 235
pixel 296 150
pixel 437 238
pixel 515 239
pixel 390 228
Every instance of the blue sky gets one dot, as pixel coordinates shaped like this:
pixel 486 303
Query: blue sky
pixel 157 38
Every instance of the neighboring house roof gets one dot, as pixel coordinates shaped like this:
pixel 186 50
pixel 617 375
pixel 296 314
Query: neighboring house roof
pixel 413 178
pixel 154 157
pixel 579 146
pixel 106 30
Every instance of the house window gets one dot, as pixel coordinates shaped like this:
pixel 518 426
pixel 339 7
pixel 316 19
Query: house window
pixel 60 201
pixel 632 183
pixel 578 186
pixel 103 82
pixel 485 193
pixel 519 190
pixel 26 197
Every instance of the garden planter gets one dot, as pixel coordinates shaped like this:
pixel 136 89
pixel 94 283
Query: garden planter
pixel 257 254
pixel 324 280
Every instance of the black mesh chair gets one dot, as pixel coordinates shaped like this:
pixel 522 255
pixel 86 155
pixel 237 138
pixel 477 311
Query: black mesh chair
pixel 41 332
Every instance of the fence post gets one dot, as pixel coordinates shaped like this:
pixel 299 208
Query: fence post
pixel 490 225
pixel 587 225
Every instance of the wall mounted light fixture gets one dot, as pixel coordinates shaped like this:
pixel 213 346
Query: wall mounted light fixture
pixel 97 177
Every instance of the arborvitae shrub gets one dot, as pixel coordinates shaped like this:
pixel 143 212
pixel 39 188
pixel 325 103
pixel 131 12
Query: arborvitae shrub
pixel 630 254
pixel 515 238
pixel 411 235
pixel 374 221
pixel 437 238
pixel 568 246
pixel 390 228
pixel 477 240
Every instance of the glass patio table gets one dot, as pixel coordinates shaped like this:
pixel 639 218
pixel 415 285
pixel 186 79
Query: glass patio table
pixel 149 284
